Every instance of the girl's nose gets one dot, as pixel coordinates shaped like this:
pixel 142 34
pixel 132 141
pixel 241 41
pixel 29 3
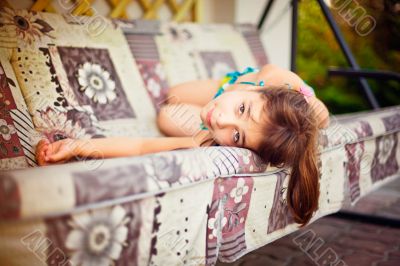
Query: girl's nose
pixel 225 120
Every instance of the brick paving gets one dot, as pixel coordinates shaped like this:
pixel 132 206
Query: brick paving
pixel 335 241
pixel 382 202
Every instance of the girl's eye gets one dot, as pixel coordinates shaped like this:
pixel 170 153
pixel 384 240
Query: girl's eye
pixel 236 137
pixel 241 108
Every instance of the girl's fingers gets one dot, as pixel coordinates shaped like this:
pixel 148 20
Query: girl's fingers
pixel 41 144
pixel 62 161
pixel 49 151
pixel 41 160
pixel 40 152
pixel 59 155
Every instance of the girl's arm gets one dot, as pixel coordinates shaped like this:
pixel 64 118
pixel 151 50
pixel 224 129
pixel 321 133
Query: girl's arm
pixel 127 146
pixel 63 150
pixel 321 112
pixel 198 92
pixel 274 75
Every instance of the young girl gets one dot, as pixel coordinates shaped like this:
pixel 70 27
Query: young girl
pixel 270 111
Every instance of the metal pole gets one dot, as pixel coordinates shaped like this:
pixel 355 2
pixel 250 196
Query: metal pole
pixel 374 74
pixel 265 14
pixel 347 53
pixel 293 49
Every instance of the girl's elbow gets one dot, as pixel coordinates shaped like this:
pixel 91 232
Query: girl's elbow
pixel 161 121
pixel 324 116
pixel 321 112
pixel 324 123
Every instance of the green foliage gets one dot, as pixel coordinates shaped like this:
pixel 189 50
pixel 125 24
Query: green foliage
pixel 318 49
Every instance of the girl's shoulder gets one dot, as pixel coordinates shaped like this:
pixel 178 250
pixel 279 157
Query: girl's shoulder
pixel 234 75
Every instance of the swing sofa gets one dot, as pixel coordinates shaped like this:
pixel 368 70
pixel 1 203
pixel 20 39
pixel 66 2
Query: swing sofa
pixel 183 207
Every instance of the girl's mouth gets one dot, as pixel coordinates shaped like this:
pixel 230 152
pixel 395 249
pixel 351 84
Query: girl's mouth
pixel 208 118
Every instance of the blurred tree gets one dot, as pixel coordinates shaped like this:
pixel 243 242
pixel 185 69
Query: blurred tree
pixel 379 49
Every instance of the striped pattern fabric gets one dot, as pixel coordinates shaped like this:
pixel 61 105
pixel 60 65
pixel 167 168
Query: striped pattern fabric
pixel 17 128
pixel 252 38
pixel 143 47
pixel 141 41
pixel 225 162
pixel 23 125
pixel 232 247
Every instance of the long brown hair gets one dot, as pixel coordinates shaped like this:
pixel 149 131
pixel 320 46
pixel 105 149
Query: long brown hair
pixel 291 135
pixel 291 138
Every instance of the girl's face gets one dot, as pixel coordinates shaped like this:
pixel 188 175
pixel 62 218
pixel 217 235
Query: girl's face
pixel 235 118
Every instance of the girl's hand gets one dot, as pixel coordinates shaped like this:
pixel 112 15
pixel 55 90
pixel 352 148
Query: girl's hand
pixel 41 150
pixel 57 152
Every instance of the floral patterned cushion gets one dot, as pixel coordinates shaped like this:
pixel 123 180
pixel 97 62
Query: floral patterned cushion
pixel 214 203
pixel 189 51
pixel 167 53
pixel 76 80
pixel 83 82
pixel 141 37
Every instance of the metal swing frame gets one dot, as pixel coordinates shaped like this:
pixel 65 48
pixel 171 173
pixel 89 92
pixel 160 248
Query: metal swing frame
pixel 355 72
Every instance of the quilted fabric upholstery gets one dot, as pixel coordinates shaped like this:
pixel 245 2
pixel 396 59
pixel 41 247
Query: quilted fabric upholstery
pixel 74 82
pixel 59 66
pixel 214 203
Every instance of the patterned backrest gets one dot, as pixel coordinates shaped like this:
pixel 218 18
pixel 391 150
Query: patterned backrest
pixel 78 77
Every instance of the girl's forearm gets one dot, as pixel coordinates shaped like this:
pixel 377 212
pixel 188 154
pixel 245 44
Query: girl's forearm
pixel 279 76
pixel 129 146
pixel 108 147
pixel 274 75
